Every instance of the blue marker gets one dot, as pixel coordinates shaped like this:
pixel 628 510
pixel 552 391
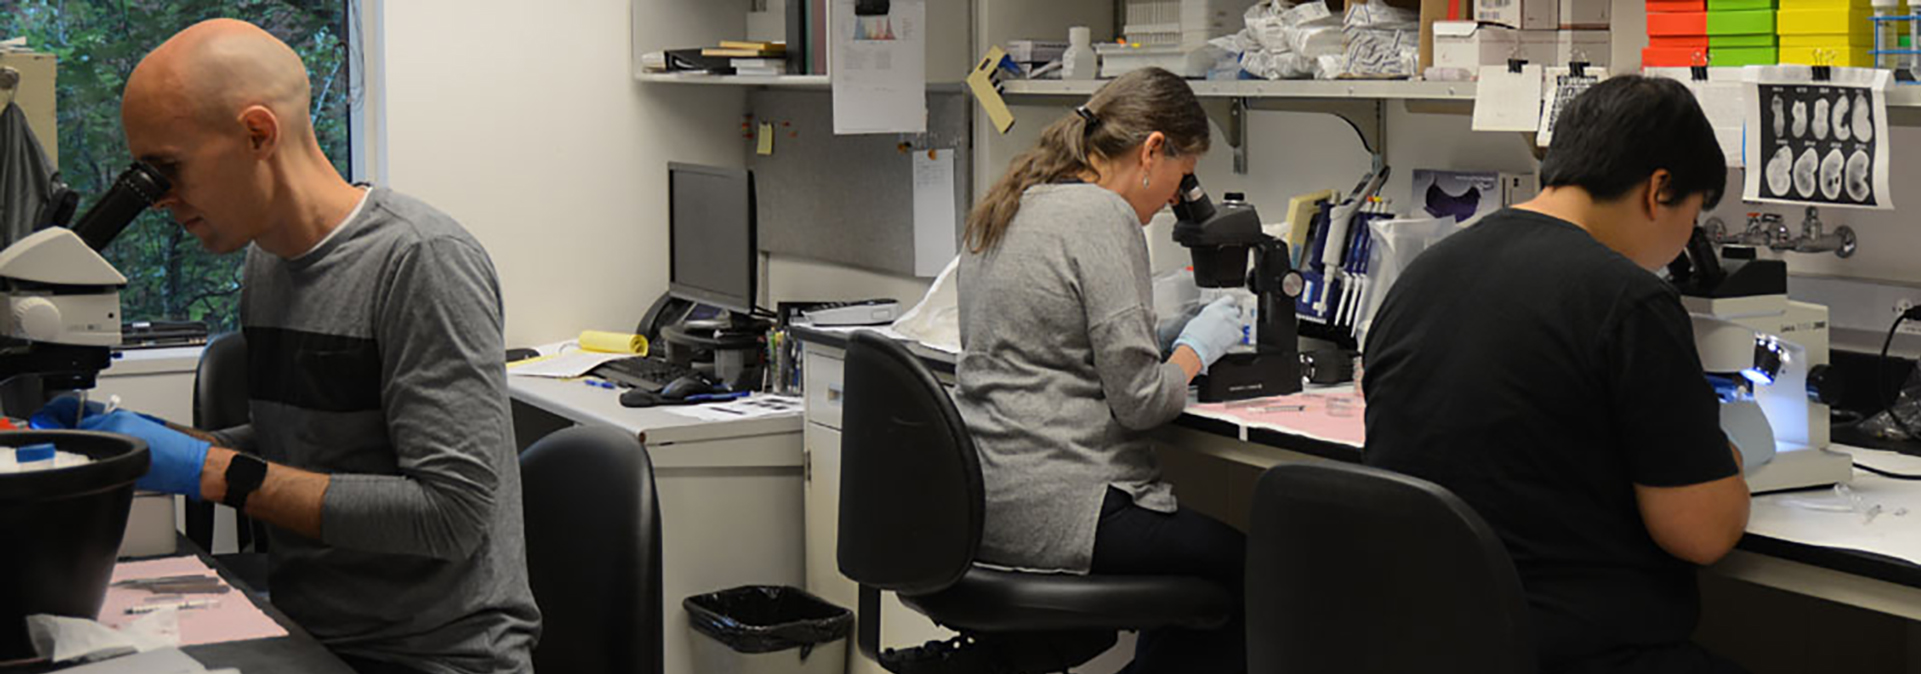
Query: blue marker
pixel 596 383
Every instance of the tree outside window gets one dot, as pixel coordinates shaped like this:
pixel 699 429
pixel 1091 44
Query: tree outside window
pixel 98 43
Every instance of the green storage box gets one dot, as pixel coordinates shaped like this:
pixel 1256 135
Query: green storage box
pixel 1736 41
pixel 1735 5
pixel 1745 56
pixel 1741 22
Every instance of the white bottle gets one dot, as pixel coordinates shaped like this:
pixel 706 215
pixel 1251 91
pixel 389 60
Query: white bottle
pixel 1080 62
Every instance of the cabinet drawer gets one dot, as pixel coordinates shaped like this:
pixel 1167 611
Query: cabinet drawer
pixel 824 390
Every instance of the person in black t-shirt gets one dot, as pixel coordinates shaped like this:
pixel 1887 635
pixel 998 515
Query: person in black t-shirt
pixel 1536 366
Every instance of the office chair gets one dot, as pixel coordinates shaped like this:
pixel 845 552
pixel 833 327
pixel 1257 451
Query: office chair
pixel 1360 570
pixel 911 509
pixel 220 401
pixel 592 523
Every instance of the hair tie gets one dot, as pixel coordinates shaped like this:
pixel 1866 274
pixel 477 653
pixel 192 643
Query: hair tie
pixel 1088 116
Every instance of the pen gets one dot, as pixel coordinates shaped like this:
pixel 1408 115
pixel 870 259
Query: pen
pixel 182 605
pixel 596 383
pixel 717 397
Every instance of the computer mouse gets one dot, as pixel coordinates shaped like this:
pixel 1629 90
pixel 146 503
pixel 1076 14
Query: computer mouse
pixel 638 398
pixel 690 385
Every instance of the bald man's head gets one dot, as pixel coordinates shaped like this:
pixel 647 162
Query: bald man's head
pixel 221 110
pixel 210 72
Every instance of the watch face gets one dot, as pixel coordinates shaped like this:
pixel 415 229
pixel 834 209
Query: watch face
pixel 1292 284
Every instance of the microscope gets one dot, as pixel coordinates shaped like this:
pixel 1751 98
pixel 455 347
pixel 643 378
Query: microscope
pixel 62 299
pixel 1221 240
pixel 1767 358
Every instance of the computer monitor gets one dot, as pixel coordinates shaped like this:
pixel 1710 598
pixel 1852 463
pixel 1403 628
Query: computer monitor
pixel 711 231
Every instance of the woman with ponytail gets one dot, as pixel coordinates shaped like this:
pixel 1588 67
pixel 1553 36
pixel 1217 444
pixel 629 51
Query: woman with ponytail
pixel 1062 377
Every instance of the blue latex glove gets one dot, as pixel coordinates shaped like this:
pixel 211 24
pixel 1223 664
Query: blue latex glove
pixel 1215 330
pixel 1169 328
pixel 58 413
pixel 177 458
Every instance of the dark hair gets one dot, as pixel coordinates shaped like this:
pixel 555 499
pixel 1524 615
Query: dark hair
pixel 1117 120
pixel 1615 135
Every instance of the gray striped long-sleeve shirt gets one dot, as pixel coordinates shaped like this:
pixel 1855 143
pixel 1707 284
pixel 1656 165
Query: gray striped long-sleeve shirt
pixel 1060 375
pixel 377 358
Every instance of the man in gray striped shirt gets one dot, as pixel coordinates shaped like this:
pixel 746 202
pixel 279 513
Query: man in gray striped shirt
pixel 381 448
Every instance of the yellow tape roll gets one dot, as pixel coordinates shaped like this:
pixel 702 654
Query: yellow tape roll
pixel 613 342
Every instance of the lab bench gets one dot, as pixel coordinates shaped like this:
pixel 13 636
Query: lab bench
pixel 1214 462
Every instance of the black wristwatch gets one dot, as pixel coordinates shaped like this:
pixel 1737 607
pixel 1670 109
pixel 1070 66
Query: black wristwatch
pixel 244 474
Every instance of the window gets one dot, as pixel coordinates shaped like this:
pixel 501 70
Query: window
pixel 98 42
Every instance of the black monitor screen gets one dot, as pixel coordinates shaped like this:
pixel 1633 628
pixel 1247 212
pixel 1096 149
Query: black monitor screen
pixel 711 230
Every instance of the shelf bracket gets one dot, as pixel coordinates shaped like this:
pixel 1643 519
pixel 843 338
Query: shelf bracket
pixel 1230 114
pixel 1367 117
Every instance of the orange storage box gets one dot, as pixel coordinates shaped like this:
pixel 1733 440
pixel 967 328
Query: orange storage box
pixel 1669 57
pixel 1659 6
pixel 1700 43
pixel 1678 24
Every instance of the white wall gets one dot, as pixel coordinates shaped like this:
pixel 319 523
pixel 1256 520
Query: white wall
pixel 523 122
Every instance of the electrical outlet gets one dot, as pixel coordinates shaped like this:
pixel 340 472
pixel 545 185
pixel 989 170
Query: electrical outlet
pixel 1902 306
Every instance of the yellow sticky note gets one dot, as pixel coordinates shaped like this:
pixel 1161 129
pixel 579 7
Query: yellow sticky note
pixel 766 147
pixel 981 82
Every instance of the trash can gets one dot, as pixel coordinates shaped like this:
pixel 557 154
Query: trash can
pixel 767 629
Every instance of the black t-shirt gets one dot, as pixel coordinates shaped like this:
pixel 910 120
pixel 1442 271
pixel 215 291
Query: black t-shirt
pixel 1539 376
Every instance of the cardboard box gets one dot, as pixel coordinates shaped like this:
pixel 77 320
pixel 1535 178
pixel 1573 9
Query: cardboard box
pixel 1593 46
pixel 1469 196
pixel 1584 15
pixel 1523 14
pixel 1469 45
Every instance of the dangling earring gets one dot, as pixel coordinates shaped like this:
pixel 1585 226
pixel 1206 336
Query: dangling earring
pixel 1147 181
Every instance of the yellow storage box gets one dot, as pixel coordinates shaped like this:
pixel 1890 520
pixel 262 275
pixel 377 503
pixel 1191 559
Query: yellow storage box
pixel 1835 42
pixel 1849 21
pixel 1852 58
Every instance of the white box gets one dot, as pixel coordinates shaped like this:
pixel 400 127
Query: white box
pixel 1584 14
pixel 1469 45
pixel 1593 45
pixel 1523 14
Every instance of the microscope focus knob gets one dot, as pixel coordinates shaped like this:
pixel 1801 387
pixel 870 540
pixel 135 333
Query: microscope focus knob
pixel 37 318
pixel 1823 386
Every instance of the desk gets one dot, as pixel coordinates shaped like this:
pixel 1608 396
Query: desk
pixel 1227 457
pixel 296 653
pixel 730 492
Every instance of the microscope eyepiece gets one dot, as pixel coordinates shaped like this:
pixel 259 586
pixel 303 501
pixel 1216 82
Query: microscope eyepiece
pixel 132 193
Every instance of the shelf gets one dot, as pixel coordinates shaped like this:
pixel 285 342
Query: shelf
pixel 1278 89
pixel 781 81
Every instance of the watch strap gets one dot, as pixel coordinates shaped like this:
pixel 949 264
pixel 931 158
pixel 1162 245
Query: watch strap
pixel 245 473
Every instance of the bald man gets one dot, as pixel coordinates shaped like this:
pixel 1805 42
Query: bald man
pixel 381 448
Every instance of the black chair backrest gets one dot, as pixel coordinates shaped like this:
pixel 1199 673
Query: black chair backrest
pixel 593 552
pixel 220 384
pixel 911 498
pixel 1359 570
pixel 220 402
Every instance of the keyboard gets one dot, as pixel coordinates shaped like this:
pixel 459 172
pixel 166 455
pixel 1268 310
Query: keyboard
pixel 647 374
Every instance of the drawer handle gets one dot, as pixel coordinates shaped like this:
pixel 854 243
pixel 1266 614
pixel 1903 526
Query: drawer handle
pixel 833 395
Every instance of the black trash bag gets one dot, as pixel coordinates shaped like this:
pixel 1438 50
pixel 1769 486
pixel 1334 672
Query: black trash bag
pixel 768 618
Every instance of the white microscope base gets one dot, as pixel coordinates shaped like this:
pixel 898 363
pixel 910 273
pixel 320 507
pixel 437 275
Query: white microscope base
pixel 1799 467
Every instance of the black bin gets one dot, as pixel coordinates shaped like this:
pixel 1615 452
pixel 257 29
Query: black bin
pixel 62 530
pixel 768 628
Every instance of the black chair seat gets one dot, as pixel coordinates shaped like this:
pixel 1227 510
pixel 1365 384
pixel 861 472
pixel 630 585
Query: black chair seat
pixel 1006 601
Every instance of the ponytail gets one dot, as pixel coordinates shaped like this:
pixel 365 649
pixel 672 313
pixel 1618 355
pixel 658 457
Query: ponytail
pixel 1117 120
